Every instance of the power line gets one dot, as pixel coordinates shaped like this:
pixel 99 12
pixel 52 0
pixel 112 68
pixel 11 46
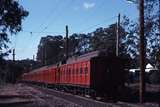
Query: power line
pixel 14 41
pixel 36 32
pixel 31 32
pixel 46 27
pixel 49 24
pixel 97 24
pixel 49 16
pixel 59 14
pixel 42 32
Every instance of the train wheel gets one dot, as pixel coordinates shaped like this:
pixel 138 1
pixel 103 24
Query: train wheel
pixel 74 91
pixel 93 94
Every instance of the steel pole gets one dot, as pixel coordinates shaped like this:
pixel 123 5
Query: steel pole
pixel 13 54
pixel 142 52
pixel 67 42
pixel 117 33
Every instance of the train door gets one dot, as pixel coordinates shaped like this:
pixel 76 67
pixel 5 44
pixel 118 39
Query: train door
pixel 87 73
pixel 82 73
pixel 76 74
pixel 58 75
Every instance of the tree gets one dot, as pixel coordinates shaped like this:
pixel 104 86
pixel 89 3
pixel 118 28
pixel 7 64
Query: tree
pixel 11 16
pixel 83 43
pixel 152 31
pixel 73 44
pixel 105 38
pixel 98 39
pixel 50 49
pixel 131 40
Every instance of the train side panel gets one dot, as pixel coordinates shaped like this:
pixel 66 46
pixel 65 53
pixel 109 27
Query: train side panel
pixel 106 74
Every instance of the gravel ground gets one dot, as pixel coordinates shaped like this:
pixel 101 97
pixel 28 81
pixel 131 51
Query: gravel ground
pixel 21 95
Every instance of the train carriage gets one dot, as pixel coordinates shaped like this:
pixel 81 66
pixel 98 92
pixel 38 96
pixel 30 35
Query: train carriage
pixel 92 71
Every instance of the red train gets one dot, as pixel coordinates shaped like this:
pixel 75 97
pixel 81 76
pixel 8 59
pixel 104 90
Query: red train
pixel 90 73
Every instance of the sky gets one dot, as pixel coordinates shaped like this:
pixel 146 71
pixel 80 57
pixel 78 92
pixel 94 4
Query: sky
pixel 49 17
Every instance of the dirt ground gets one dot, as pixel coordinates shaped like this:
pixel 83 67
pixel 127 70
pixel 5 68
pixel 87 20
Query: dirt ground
pixel 152 92
pixel 20 95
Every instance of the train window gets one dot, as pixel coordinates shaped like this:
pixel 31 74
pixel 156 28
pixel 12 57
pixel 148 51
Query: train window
pixel 69 71
pixel 86 70
pixel 66 71
pixel 73 71
pixel 81 71
pixel 77 70
pixel 63 71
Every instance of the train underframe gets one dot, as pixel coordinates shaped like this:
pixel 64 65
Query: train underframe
pixel 74 89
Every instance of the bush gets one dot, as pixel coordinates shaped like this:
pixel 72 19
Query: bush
pixel 155 77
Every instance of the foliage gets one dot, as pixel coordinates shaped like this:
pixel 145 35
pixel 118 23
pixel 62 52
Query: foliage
pixel 105 38
pixel 11 71
pixel 11 16
pixel 152 32
pixel 155 77
pixel 131 40
pixel 73 44
pixel 52 48
pixel 83 43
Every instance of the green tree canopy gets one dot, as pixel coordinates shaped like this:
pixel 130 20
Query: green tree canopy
pixel 11 16
pixel 51 49
pixel 152 31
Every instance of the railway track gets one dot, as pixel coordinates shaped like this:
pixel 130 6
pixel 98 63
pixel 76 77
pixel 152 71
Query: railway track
pixel 15 100
pixel 76 99
pixel 82 101
pixel 29 95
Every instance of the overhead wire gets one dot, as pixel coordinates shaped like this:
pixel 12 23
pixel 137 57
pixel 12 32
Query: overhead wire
pixel 106 20
pixel 49 24
pixel 54 18
pixel 58 15
pixel 50 15
pixel 102 3
pixel 36 32
pixel 86 29
pixel 99 6
pixel 31 32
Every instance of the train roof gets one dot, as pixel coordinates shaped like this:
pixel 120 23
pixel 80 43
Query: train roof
pixel 84 57
pixel 73 59
pixel 42 68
